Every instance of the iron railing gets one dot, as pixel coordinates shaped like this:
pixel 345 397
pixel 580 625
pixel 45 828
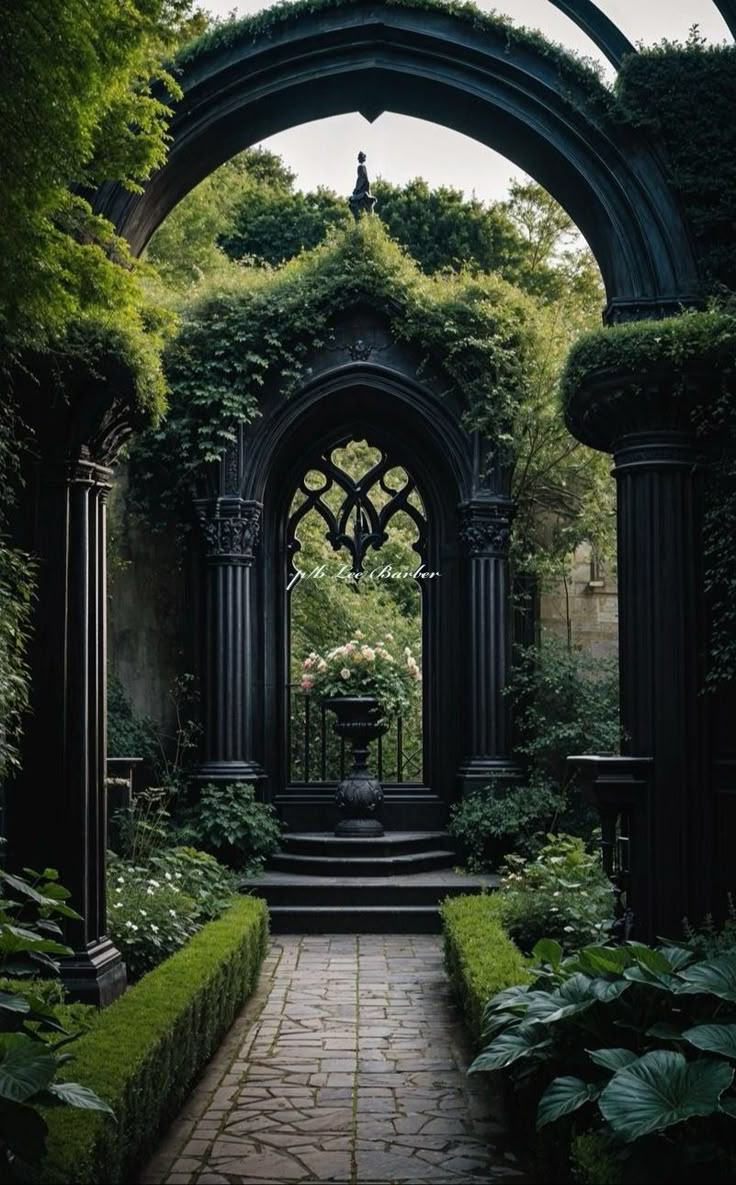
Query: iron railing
pixel 317 755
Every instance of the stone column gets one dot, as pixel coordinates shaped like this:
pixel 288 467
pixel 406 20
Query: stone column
pixel 663 642
pixel 230 528
pixel 646 422
pixel 485 530
pixel 56 806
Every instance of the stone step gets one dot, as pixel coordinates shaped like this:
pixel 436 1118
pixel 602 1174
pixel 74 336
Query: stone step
pixel 367 919
pixel 361 866
pixel 347 896
pixel 393 843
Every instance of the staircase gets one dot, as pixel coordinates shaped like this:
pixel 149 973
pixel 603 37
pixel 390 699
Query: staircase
pixel 320 884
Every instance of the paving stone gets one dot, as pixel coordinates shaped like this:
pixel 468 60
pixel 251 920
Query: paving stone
pixel 305 1090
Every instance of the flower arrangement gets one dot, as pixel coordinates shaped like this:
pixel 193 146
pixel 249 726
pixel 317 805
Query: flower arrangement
pixel 357 668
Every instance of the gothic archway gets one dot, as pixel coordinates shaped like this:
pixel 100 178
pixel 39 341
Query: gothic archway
pixel 450 70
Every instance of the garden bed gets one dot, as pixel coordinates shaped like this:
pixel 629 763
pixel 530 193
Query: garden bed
pixel 149 1047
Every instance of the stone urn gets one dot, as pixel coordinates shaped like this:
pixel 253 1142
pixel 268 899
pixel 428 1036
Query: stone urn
pixel 359 795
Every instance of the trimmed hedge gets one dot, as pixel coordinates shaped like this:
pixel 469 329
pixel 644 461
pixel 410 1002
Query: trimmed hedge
pixel 480 957
pixel 148 1048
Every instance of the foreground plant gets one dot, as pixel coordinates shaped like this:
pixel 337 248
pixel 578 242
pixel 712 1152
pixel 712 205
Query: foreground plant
pixel 647 1040
pixel 31 1036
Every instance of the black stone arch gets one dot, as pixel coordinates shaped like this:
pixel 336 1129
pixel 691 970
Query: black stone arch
pixel 439 67
pixel 423 434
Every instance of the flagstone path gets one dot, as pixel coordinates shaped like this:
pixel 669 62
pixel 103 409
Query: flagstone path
pixel 347 1065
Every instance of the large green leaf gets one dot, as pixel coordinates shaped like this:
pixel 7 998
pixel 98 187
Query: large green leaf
pixel 548 951
pixel 606 990
pixel 13 1002
pixel 24 1131
pixel 509 1047
pixel 716 977
pixel 611 1059
pixel 26 1067
pixel 661 1089
pixel 713 1038
pixel 562 1097
pixel 75 1095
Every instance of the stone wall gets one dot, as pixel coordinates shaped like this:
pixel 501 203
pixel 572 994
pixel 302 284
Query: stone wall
pixel 589 601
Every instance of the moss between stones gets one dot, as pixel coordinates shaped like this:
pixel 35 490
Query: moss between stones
pixel 148 1048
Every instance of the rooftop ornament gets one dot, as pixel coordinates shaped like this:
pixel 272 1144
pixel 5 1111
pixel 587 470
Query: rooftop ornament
pixel 361 199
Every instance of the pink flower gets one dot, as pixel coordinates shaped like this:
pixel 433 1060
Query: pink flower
pixel 307 684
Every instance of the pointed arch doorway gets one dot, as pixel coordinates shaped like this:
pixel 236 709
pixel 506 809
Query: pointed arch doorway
pixel 422 465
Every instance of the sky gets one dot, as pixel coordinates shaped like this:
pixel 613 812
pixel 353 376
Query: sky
pixel 400 148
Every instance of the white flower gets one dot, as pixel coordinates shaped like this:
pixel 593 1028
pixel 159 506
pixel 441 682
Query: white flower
pixel 167 875
pixel 130 926
pixel 344 673
pixel 172 912
pixel 154 928
pixel 389 637
pixel 121 880
pixel 143 913
pixel 321 665
pixel 156 884
pixel 150 893
pixel 118 905
pixel 359 634
pixel 368 653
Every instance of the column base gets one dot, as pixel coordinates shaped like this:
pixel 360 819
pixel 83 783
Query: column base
pixel 230 771
pixel 481 773
pixel 95 975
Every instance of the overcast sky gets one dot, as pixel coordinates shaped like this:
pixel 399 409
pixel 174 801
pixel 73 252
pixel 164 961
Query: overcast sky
pixel 399 148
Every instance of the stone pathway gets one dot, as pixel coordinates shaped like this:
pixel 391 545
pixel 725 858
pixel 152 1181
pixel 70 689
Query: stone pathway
pixel 346 1066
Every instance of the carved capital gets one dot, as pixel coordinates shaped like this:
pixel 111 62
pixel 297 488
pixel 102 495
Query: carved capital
pixel 485 527
pixel 231 529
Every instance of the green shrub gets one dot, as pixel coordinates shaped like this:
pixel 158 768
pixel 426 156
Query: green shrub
pixel 591 1162
pixel 148 918
pixel 490 823
pixel 638 1043
pixel 32 1027
pixel 479 956
pixel 564 894
pixel 199 876
pixel 228 822
pixel 148 1048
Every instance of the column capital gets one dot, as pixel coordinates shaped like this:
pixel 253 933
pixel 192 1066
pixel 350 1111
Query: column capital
pixel 613 404
pixel 655 450
pixel 231 529
pixel 485 526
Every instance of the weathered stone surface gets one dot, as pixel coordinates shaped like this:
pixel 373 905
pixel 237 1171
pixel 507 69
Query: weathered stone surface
pixel 349 1066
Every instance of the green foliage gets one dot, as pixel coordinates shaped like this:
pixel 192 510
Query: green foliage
pixel 709 939
pixel 356 668
pixel 481 328
pixel 31 1029
pixel 646 1042
pixel 591 1161
pixel 684 96
pixel 491 822
pixel 151 1045
pixel 78 107
pixel 480 958
pixel 673 353
pixel 573 70
pixel 16 593
pixel 228 822
pixel 197 875
pixel 128 735
pixel 564 701
pixel 562 894
pixel 148 918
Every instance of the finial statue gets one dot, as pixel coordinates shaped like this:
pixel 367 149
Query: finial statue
pixel 361 199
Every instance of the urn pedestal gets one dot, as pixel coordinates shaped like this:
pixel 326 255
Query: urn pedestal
pixel 359 795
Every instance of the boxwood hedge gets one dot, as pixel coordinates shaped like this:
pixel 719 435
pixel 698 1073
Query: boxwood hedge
pixel 148 1048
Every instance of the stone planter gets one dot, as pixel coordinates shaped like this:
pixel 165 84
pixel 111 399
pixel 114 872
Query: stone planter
pixel 359 795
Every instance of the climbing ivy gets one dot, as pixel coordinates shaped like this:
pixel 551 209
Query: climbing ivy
pixel 684 97
pixel 256 328
pixel 584 73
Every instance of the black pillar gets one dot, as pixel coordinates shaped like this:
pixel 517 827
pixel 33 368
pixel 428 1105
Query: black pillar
pixel 485 531
pixel 56 806
pixel 663 642
pixel 230 528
